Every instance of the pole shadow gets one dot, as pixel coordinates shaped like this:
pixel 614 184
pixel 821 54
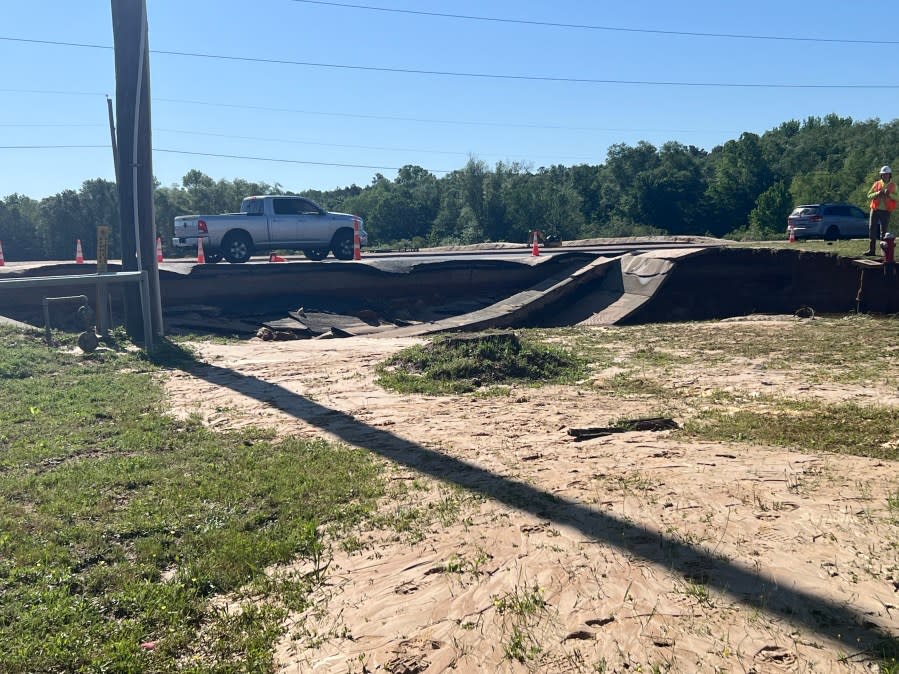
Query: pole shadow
pixel 854 630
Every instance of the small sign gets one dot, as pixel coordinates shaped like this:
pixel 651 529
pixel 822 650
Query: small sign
pixel 102 248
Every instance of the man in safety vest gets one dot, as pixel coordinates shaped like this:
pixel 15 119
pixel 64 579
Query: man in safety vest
pixel 883 202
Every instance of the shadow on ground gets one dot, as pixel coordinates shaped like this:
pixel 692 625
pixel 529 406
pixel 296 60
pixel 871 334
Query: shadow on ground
pixel 838 622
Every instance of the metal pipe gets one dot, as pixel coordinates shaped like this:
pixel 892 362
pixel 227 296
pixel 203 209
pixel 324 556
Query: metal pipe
pixel 47 335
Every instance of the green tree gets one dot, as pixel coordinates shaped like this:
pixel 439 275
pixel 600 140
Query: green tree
pixel 19 228
pixel 61 223
pixel 769 217
pixel 672 194
pixel 622 183
pixel 99 205
pixel 739 175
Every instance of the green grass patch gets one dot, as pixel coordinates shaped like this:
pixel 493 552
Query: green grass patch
pixel 843 247
pixel 825 349
pixel 120 524
pixel 808 426
pixel 462 364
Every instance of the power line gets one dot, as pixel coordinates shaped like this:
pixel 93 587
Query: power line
pixel 261 138
pixel 394 118
pixel 305 142
pixel 42 125
pixel 51 91
pixel 221 156
pixel 619 29
pixel 522 78
pixel 340 145
pixel 290 161
pixel 49 147
pixel 490 76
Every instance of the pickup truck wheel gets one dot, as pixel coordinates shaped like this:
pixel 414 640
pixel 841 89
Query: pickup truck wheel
pixel 342 245
pixel 237 247
pixel 315 254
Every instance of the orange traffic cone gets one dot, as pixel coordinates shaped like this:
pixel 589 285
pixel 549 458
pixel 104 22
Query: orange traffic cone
pixel 357 241
pixel 274 257
pixel 535 251
pixel 791 237
pixel 201 258
pixel 79 256
pixel 2 261
pixel 159 249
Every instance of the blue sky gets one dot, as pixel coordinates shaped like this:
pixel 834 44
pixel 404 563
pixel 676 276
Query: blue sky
pixel 353 114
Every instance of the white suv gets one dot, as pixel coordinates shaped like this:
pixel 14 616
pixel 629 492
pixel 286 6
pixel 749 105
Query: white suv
pixel 828 221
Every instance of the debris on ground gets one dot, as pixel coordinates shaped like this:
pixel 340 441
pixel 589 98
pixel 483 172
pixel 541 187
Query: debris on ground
pixel 625 426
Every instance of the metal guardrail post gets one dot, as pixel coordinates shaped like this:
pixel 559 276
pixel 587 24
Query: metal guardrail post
pixel 103 318
pixel 48 337
pixel 145 309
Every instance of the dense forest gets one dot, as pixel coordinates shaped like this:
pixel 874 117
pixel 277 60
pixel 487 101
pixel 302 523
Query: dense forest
pixel 743 189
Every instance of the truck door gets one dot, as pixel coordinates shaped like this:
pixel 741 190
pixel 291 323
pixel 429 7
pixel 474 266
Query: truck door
pixel 314 228
pixel 283 224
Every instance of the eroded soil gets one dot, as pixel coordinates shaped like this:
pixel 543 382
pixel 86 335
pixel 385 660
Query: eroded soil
pixel 506 546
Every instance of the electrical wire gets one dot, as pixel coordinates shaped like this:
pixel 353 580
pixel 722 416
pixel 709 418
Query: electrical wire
pixel 291 161
pixel 618 29
pixel 490 76
pixel 395 118
pixel 46 125
pixel 305 142
pixel 222 156
pixel 49 147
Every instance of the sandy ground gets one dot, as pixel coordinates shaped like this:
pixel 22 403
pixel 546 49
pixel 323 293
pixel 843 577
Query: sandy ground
pixel 512 548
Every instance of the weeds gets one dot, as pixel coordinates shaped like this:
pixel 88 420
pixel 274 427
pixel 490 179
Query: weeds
pixel 120 524
pixel 523 611
pixel 844 428
pixel 452 365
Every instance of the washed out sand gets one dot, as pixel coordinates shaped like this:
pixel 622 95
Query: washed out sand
pixel 513 548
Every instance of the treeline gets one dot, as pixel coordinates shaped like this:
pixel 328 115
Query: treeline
pixel 743 189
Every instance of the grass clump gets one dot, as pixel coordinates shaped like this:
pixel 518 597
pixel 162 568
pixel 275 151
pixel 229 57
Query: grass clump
pixel 844 428
pixel 462 364
pixel 120 525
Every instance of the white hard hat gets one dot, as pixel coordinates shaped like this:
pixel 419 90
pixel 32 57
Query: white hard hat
pixel 886 169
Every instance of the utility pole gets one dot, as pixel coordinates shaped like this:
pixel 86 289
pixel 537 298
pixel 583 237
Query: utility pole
pixel 134 167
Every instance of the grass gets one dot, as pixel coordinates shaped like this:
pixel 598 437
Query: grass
pixel 843 247
pixel 453 365
pixel 523 610
pixel 120 525
pixel 825 349
pixel 845 428
pixel 660 362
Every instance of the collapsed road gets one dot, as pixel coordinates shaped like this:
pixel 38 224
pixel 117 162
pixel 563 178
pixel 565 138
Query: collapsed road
pixel 403 297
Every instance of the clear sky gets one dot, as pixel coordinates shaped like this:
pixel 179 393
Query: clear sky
pixel 541 82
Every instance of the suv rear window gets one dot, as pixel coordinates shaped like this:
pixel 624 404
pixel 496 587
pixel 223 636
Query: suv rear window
pixel 253 206
pixel 804 210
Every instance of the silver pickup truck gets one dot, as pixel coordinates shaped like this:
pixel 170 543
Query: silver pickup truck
pixel 271 222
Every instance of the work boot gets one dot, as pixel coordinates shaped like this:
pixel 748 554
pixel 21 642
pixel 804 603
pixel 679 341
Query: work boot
pixel 870 252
